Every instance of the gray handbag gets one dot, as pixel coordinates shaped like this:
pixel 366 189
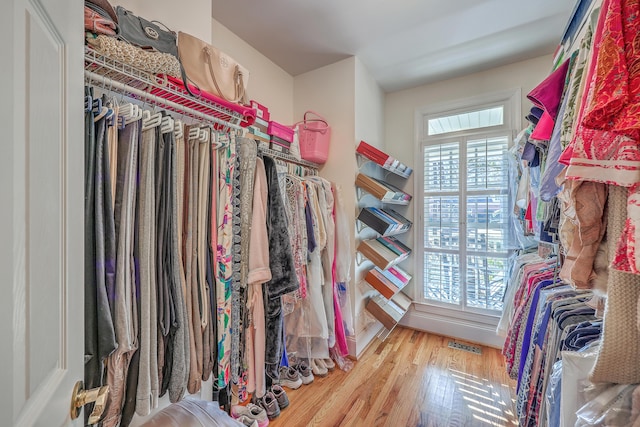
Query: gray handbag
pixel 145 34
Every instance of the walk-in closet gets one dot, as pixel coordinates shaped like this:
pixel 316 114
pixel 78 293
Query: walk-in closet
pixel 285 213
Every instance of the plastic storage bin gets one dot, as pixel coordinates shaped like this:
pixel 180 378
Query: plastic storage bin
pixel 281 131
pixel 314 135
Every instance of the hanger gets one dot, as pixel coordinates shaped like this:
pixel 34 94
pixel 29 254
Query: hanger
pixel 167 125
pixel 149 120
pixel 194 132
pixel 217 141
pixel 178 129
pixel 128 113
pixel 205 135
pixel 103 113
pixel 88 103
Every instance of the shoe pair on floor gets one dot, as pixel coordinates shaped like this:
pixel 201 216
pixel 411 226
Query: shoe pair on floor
pixel 294 376
pixel 321 367
pixel 262 409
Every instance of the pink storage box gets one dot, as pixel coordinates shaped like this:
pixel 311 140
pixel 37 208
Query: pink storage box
pixel 314 136
pixel 261 110
pixel 281 131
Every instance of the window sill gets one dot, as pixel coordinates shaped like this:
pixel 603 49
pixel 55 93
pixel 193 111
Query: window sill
pixel 489 320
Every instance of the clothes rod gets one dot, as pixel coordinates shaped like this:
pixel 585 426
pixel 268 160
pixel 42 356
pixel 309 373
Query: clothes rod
pixel 286 157
pixel 110 84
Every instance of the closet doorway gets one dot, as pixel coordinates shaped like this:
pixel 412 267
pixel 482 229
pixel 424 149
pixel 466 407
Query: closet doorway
pixel 41 215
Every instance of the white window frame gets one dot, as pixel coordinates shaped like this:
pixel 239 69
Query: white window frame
pixel 511 101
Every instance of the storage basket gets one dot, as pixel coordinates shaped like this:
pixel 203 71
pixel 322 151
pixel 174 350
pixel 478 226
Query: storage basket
pixel 314 135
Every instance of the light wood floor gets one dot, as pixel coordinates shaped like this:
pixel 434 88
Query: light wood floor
pixel 411 379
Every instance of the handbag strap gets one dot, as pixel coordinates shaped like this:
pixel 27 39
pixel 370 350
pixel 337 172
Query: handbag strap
pixel 160 24
pixel 322 119
pixel 237 77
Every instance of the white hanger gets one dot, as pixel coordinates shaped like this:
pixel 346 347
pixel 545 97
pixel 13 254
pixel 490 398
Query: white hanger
pixel 178 129
pixel 149 120
pixel 205 135
pixel 194 133
pixel 129 113
pixel 167 124
pixel 137 116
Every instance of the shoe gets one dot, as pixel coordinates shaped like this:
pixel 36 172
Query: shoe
pixel 305 372
pixel 318 369
pixel 329 364
pixel 248 422
pixel 289 378
pixel 251 411
pixel 281 396
pixel 270 404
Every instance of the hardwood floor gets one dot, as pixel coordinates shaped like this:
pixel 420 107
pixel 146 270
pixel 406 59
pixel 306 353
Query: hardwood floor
pixel 411 379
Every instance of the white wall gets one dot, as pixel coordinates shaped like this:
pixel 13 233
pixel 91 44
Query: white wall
pixel 193 17
pixel 400 135
pixel 330 91
pixel 369 127
pixel 268 84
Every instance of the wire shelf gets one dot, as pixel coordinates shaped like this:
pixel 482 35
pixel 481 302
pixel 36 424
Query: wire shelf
pixel 287 157
pixel 116 76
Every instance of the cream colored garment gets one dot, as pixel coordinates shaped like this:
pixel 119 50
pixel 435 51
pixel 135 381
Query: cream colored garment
pixel 620 349
pixel 148 390
pixel 259 273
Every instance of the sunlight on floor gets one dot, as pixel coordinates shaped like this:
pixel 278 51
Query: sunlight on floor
pixel 483 399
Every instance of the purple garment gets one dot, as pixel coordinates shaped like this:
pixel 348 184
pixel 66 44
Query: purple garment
pixel 529 153
pixel 526 341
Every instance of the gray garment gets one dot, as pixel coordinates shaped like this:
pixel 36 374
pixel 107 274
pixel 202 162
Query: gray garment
pixel 125 313
pixel 147 393
pixel 181 345
pixel 99 333
pixel 204 154
pixel 191 265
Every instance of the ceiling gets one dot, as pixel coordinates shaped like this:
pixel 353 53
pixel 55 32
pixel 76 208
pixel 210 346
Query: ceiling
pixel 403 43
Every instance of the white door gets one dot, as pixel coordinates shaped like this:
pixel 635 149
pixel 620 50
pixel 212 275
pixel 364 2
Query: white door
pixel 41 210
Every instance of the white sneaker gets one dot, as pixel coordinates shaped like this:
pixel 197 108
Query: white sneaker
pixel 305 372
pixel 318 368
pixel 289 378
pixel 329 364
pixel 250 411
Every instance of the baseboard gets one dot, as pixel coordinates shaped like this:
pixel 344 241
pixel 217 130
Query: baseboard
pixel 358 344
pixel 466 330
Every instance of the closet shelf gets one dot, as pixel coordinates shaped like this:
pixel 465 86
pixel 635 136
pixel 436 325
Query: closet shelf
pixel 287 157
pixel 382 159
pixel 384 252
pixel 382 190
pixel 361 225
pixel 112 75
pixel 388 282
pixel 389 312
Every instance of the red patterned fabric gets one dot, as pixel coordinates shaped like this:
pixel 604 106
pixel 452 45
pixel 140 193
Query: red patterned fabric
pixel 605 145
pixel 616 104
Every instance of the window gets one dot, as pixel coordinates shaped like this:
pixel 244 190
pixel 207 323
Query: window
pixel 465 202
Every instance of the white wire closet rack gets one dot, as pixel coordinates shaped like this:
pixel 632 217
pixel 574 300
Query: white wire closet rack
pixel 114 76
pixel 117 77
